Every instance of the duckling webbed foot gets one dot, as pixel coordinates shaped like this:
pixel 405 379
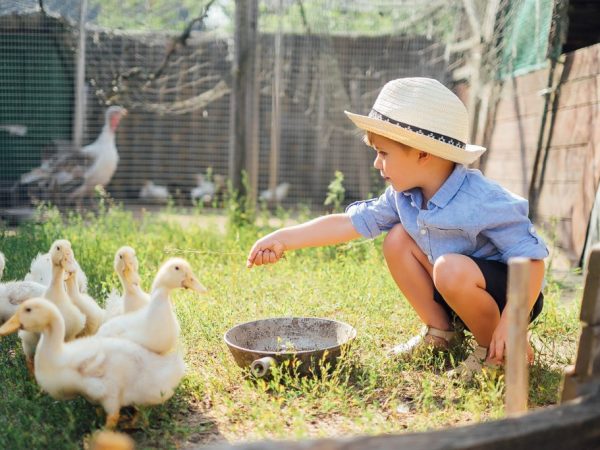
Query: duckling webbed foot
pixel 30 366
pixel 112 420
pixel 130 420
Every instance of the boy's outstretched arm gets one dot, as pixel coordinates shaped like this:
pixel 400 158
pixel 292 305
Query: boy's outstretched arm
pixel 324 230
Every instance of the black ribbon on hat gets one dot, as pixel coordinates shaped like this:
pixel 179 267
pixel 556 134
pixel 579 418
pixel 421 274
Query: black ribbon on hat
pixel 437 136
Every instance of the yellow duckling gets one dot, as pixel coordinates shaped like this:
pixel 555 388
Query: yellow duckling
pixel 127 267
pixel 111 372
pixel 155 325
pixel 63 261
pixel 94 314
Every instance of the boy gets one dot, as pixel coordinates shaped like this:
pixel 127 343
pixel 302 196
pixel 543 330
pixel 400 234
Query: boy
pixel 450 230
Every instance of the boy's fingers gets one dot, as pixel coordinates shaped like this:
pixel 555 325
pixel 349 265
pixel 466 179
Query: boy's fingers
pixel 272 257
pixel 492 350
pixel 252 256
pixel 258 259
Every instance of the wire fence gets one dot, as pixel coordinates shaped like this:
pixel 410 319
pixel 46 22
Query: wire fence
pixel 169 63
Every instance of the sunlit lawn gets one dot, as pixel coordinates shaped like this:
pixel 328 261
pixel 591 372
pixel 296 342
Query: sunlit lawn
pixel 367 394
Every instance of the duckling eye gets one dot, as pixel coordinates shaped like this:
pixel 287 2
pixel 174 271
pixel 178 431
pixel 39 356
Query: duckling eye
pixel 120 256
pixel 176 267
pixel 58 248
pixel 27 309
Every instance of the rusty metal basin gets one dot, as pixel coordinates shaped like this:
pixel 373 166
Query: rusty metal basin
pixel 261 344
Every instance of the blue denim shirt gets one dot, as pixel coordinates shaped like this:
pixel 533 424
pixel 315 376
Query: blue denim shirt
pixel 469 214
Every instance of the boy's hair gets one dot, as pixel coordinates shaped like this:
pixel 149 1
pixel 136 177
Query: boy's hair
pixel 368 140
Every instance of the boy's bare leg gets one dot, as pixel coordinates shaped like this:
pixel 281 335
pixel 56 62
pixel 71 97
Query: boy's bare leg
pixel 413 274
pixel 461 283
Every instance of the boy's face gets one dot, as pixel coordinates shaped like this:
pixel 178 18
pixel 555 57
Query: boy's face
pixel 397 163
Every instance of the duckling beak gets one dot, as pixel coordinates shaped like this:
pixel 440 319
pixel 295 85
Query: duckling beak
pixel 193 284
pixel 68 263
pixel 11 326
pixel 129 273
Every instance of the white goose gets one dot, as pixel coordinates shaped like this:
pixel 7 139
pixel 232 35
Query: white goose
pixel 62 259
pixel 108 371
pixel 74 172
pixel 155 325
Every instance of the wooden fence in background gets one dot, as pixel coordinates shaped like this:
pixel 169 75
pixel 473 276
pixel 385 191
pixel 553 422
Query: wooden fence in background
pixel 563 150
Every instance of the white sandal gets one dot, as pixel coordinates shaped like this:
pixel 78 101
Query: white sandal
pixel 429 337
pixel 473 364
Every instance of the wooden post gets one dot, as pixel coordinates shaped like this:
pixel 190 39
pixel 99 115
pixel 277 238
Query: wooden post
pixel 587 366
pixel 276 108
pixel 517 371
pixel 246 17
pixel 79 112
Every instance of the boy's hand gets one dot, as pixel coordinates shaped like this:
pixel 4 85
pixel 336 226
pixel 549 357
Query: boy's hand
pixel 265 251
pixel 498 343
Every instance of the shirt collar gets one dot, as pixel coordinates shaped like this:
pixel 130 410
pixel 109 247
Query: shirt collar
pixel 450 187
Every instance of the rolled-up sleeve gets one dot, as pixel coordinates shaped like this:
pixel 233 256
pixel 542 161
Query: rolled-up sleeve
pixel 372 217
pixel 510 229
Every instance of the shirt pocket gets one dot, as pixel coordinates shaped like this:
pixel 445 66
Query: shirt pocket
pixel 450 240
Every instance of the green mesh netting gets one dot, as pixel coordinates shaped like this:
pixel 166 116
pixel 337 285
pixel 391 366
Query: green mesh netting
pixel 525 37
pixel 36 92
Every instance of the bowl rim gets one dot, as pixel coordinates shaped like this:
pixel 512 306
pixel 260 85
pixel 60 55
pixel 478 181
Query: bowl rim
pixel 301 352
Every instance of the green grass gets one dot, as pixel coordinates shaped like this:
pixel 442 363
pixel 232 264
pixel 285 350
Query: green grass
pixel 366 394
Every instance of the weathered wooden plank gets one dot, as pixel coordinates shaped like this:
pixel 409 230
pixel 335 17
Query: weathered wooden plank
pixel 531 104
pixel 579 92
pixel 573 425
pixel 518 133
pixel 583 62
pixel 590 306
pixel 525 84
pixel 587 365
pixel 573 126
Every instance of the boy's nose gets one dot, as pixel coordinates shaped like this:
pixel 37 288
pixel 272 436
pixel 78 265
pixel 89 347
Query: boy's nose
pixel 377 163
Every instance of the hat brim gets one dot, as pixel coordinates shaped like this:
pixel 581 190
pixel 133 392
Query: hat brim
pixel 422 142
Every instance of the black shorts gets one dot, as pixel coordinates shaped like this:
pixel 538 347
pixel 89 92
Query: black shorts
pixel 496 283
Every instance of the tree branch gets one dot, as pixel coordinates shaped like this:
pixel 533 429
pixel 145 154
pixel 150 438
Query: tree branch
pixel 181 39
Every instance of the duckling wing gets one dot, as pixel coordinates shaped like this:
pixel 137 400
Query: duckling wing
pixel 119 326
pixel 113 305
pixel 93 366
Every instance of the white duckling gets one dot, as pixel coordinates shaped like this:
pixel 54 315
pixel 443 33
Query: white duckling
pixel 40 271
pixel 2 264
pixel 63 261
pixel 127 267
pixel 13 293
pixel 155 325
pixel 108 371
pixel 94 314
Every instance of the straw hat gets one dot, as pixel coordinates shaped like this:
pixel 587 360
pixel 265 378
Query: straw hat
pixel 424 114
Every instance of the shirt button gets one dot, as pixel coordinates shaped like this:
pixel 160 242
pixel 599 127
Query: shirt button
pixel 430 258
pixel 423 231
pixel 532 230
pixel 412 204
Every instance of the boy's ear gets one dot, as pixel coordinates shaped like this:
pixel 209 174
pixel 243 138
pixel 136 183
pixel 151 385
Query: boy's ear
pixel 424 156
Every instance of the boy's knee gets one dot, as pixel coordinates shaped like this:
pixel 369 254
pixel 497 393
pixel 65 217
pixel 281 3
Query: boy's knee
pixel 450 273
pixel 396 240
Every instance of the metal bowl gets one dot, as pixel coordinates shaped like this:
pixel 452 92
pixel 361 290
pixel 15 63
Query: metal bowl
pixel 261 344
